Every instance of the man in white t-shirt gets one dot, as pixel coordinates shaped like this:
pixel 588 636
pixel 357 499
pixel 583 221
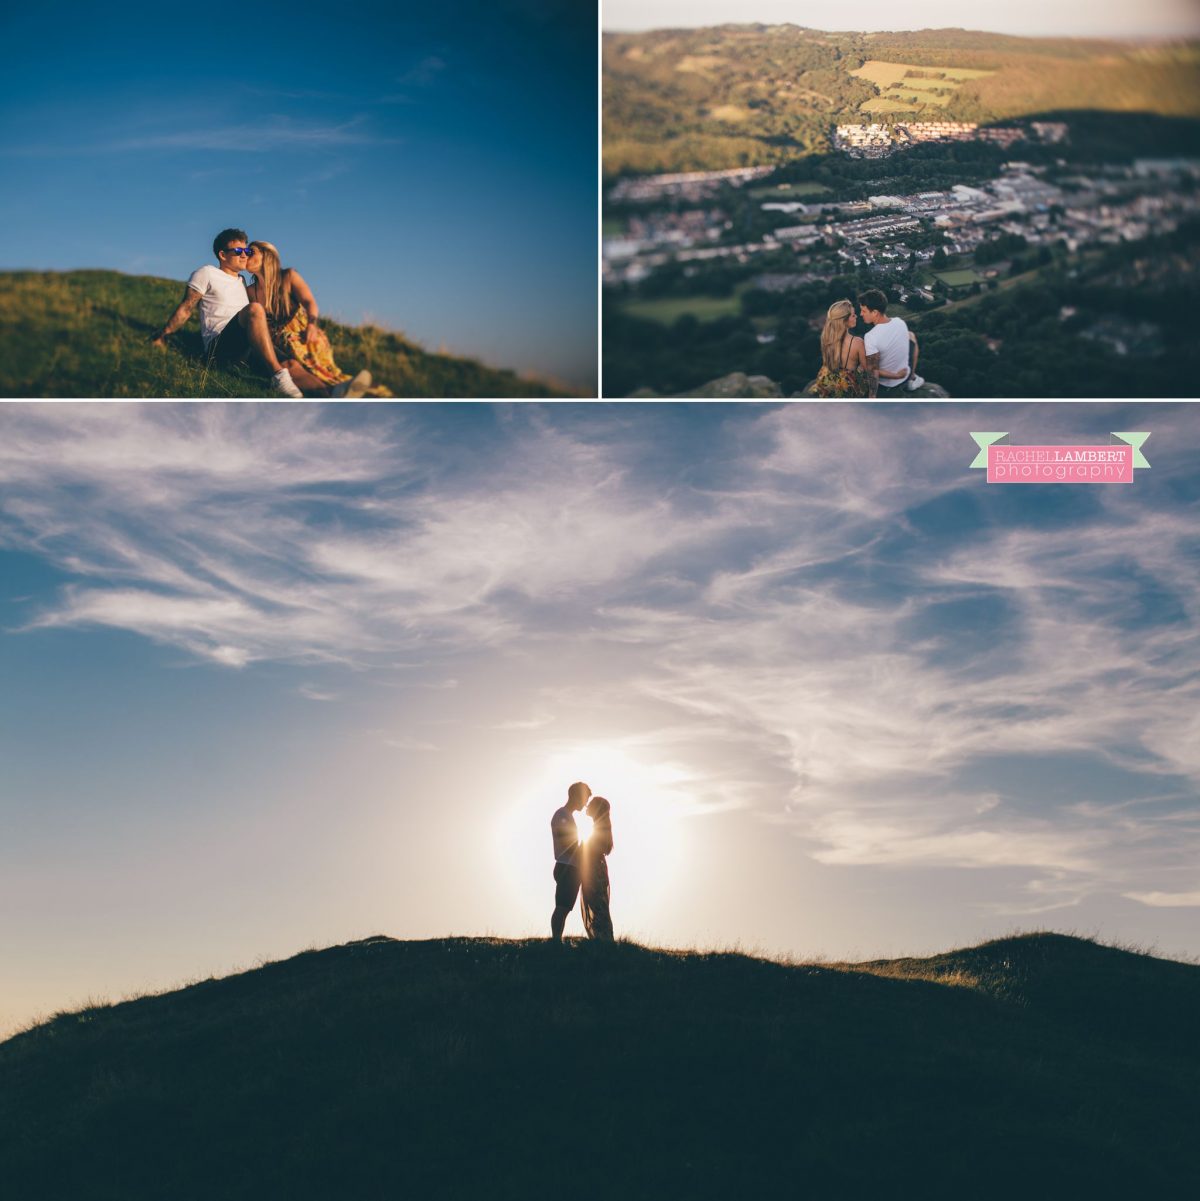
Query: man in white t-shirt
pixel 887 344
pixel 230 325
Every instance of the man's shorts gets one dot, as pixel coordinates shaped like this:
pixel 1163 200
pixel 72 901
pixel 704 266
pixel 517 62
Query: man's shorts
pixel 231 345
pixel 566 885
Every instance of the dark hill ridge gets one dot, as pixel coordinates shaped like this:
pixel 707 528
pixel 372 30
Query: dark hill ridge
pixel 87 333
pixel 1035 1066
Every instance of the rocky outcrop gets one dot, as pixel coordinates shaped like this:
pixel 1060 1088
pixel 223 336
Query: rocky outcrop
pixel 927 391
pixel 740 386
pixel 737 386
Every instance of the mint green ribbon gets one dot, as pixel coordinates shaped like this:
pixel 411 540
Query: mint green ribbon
pixel 1135 440
pixel 983 441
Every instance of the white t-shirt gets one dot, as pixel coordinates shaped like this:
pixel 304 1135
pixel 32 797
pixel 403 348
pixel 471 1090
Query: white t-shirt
pixel 890 343
pixel 222 297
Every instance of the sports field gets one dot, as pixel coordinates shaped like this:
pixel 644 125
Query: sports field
pixel 964 277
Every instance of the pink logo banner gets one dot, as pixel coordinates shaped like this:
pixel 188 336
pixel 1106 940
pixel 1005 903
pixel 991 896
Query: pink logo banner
pixel 1060 464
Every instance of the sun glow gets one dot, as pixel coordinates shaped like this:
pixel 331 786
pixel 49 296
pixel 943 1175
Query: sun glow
pixel 583 824
pixel 651 834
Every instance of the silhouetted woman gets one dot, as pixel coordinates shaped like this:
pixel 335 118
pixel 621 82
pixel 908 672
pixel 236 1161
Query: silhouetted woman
pixel 594 871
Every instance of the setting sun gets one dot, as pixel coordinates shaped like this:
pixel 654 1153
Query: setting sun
pixel 649 803
pixel 583 824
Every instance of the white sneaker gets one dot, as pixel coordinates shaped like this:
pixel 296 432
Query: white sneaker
pixel 285 384
pixel 915 382
pixel 353 387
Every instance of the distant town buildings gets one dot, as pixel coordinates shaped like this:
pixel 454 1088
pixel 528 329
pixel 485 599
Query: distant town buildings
pixel 890 234
pixel 879 140
pixel 863 141
pixel 1050 132
pixel 692 185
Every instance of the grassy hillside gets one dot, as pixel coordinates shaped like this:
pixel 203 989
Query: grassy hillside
pixel 1035 1066
pixel 737 95
pixel 86 333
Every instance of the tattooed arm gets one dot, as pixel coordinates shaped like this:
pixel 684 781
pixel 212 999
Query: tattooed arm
pixel 179 317
pixel 873 368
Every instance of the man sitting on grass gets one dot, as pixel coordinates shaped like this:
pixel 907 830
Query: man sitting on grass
pixel 230 325
pixel 887 344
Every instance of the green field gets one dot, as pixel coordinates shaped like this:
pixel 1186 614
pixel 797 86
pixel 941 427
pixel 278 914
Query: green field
pixel 964 277
pixel 668 309
pixel 796 191
pixel 895 87
pixel 881 104
pixel 903 92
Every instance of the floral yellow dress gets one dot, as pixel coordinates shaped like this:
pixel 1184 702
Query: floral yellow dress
pixel 316 357
pixel 841 379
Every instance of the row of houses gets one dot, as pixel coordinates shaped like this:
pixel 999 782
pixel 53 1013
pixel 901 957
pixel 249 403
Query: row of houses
pixel 688 184
pixel 878 139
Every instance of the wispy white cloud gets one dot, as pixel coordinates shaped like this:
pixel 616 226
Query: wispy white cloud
pixel 271 133
pixel 423 73
pixel 1167 900
pixel 775 616
pixel 406 743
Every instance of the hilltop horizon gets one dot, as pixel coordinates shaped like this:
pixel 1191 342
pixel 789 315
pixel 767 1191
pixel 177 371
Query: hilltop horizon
pixel 932 964
pixel 382 1067
pixel 1133 39
pixel 1157 19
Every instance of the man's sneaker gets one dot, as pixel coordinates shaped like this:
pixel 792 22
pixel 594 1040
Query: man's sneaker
pixel 915 382
pixel 284 383
pixel 353 387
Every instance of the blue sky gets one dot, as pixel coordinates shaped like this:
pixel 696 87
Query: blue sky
pixel 1027 18
pixel 279 676
pixel 429 168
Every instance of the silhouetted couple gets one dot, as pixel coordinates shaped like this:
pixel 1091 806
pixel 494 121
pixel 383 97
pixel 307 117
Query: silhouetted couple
pixel 860 367
pixel 581 864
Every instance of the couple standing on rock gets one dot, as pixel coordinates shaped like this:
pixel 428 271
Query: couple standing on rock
pixel 859 367
pixel 581 864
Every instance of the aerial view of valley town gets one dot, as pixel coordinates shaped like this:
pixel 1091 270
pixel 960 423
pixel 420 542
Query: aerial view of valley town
pixel 1029 208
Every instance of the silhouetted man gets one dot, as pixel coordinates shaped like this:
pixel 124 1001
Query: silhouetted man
pixel 566 857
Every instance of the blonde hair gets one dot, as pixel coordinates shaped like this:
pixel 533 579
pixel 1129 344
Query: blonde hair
pixel 837 323
pixel 273 293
